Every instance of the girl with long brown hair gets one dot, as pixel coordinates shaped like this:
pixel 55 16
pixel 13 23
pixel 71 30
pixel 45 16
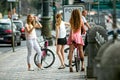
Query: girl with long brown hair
pixel 76 37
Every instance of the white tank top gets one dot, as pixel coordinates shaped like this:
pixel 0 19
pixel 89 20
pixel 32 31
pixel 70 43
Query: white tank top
pixel 31 35
pixel 62 30
pixel 85 21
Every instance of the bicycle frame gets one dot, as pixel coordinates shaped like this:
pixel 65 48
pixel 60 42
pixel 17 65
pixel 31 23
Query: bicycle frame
pixel 45 43
pixel 44 46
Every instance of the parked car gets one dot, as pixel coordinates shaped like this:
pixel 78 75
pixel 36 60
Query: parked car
pixel 20 27
pixel 6 33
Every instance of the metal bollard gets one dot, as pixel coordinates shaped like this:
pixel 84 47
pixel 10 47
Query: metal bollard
pixel 109 65
pixel 93 47
pixel 97 59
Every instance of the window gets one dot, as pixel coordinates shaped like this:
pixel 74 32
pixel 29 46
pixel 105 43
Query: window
pixel 105 0
pixel 4 26
pixel 106 4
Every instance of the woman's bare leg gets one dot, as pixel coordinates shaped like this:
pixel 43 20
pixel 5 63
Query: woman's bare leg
pixel 59 54
pixel 29 66
pixel 81 53
pixel 62 53
pixel 70 56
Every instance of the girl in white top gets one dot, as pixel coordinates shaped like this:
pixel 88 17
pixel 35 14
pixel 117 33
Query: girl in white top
pixel 62 30
pixel 31 39
pixel 60 38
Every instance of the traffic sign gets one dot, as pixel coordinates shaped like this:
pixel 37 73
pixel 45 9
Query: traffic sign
pixel 67 10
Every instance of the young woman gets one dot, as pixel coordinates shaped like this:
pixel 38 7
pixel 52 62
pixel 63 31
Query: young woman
pixel 31 39
pixel 60 38
pixel 75 37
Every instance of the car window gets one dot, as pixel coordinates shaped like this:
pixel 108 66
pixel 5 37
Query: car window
pixel 18 24
pixel 4 26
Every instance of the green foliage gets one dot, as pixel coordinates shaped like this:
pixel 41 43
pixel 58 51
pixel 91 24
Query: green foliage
pixel 37 4
pixel 5 6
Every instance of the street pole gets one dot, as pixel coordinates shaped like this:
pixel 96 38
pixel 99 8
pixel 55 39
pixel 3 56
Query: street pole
pixel 63 2
pixel 19 8
pixel 114 14
pixel 89 11
pixel 54 13
pixel 45 20
pixel 114 20
pixel 12 29
pixel 98 12
pixel 66 2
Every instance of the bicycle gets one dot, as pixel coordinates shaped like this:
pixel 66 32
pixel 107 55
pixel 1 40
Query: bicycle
pixel 48 57
pixel 76 59
pixel 67 50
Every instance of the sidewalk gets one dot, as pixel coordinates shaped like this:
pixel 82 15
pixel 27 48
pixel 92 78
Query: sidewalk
pixel 13 66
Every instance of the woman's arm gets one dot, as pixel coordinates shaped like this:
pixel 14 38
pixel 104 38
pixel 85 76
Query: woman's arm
pixel 83 31
pixel 37 23
pixel 28 29
pixel 57 34
pixel 67 24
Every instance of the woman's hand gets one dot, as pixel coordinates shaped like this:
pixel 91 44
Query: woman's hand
pixel 37 24
pixel 36 18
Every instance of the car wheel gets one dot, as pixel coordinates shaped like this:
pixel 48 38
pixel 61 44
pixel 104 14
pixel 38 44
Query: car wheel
pixel 24 38
pixel 19 43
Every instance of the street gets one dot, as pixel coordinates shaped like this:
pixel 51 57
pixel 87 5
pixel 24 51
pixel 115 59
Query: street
pixel 7 47
pixel 13 66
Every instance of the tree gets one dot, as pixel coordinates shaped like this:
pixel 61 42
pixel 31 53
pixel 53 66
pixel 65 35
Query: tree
pixel 5 6
pixel 37 4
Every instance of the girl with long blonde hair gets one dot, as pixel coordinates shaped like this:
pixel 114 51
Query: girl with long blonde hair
pixel 60 38
pixel 31 39
pixel 75 37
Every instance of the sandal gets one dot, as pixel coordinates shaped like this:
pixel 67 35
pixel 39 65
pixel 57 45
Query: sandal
pixel 61 67
pixel 82 69
pixel 71 69
pixel 42 68
pixel 30 69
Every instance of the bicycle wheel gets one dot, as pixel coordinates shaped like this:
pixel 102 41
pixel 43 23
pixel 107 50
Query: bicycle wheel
pixel 67 60
pixel 77 63
pixel 47 60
